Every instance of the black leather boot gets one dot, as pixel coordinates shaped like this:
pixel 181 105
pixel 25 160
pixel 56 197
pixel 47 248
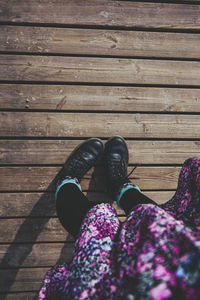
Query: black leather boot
pixel 116 156
pixel 116 159
pixel 83 158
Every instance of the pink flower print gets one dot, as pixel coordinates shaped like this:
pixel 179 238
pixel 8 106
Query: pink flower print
pixel 184 257
pixel 176 250
pixel 93 282
pixel 113 288
pixel 159 259
pixel 156 229
pixel 86 236
pixel 93 291
pixel 161 272
pixel 173 279
pixel 41 295
pixel 165 247
pixel 160 292
pixel 143 265
pixel 190 292
pixel 84 294
pixel 81 242
pixel 146 267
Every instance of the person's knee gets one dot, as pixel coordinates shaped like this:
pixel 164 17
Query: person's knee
pixel 190 168
pixel 191 161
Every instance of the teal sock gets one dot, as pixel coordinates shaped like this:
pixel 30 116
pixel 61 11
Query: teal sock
pixel 65 180
pixel 126 187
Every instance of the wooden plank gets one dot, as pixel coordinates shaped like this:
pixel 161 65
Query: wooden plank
pixel 37 124
pixel 102 12
pixel 35 204
pixel 25 279
pixel 32 230
pixel 43 178
pixel 35 255
pixel 98 42
pixel 99 70
pixel 97 98
pixel 19 296
pixel 57 151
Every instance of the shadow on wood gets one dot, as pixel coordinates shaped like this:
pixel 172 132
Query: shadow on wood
pixel 19 252
pixel 16 251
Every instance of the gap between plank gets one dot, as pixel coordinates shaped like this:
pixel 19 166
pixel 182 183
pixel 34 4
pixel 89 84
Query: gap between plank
pixel 101 111
pixel 97 56
pixel 118 84
pixel 106 27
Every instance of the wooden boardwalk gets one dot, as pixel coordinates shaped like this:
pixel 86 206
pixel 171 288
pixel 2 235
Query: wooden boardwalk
pixel 75 69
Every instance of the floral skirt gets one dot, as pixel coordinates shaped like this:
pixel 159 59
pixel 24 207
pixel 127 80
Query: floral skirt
pixel 154 254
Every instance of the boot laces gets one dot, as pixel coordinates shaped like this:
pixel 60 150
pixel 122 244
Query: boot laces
pixel 117 169
pixel 119 176
pixel 80 165
pixel 132 171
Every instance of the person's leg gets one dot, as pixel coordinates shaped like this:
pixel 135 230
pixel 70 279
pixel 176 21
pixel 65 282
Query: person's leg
pixel 92 270
pixel 120 187
pixel 158 256
pixel 129 196
pixel 185 204
pixel 71 204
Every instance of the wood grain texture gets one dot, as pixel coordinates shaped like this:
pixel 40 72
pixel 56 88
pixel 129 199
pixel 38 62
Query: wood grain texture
pixel 97 98
pixel 98 42
pixel 102 12
pixel 39 255
pixel 133 125
pixel 36 204
pixel 57 151
pixel 27 279
pixel 32 230
pixel 99 70
pixel 19 296
pixel 43 178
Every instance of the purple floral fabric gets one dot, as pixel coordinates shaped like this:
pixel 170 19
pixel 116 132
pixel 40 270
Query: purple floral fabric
pixel 154 254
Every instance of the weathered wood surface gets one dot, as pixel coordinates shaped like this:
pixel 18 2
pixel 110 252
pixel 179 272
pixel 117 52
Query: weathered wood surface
pixel 135 125
pixel 99 70
pixel 56 151
pixel 19 296
pixel 102 12
pixel 98 42
pixel 27 279
pixel 39 255
pixel 31 230
pixel 43 178
pixel 98 98
pixel 43 204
